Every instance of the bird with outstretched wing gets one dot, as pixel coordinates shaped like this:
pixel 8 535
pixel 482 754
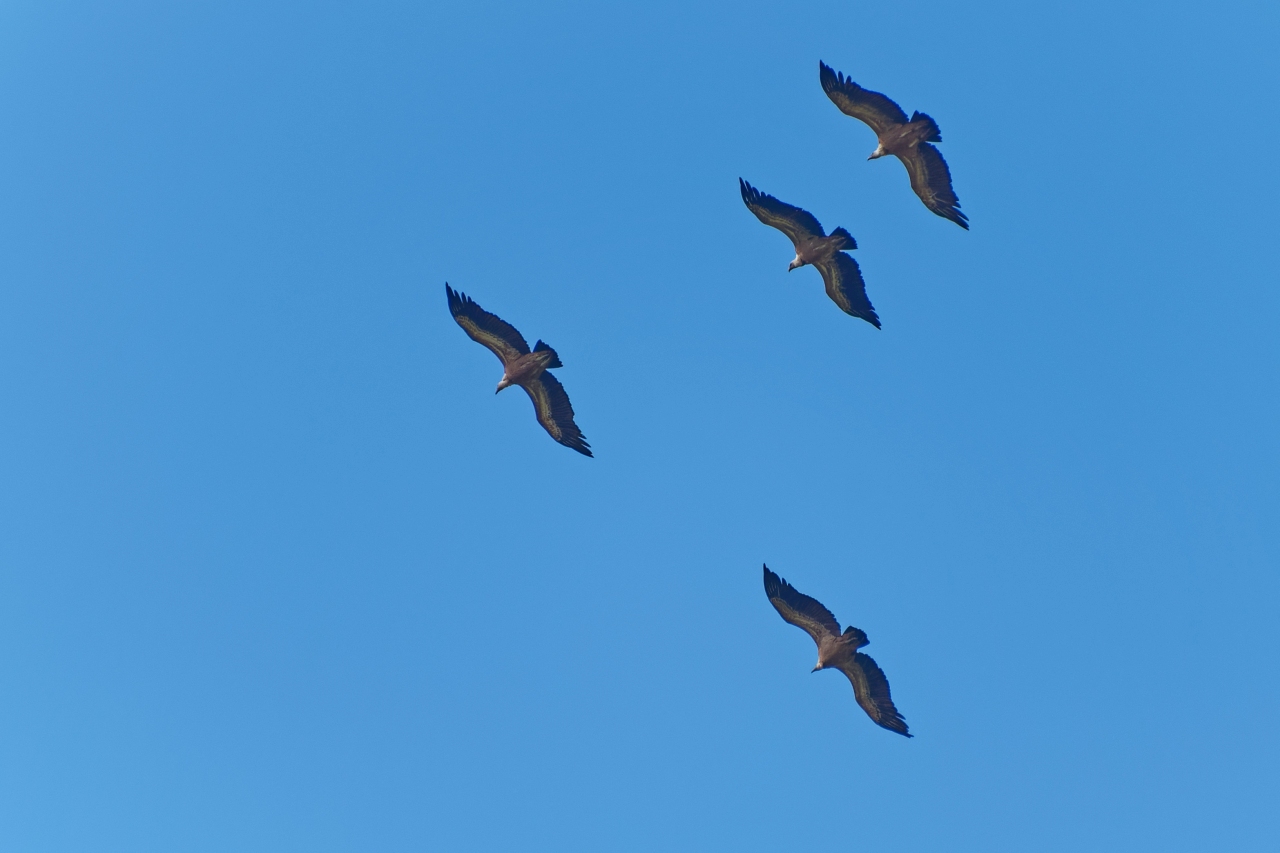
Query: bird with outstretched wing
pixel 908 139
pixel 520 366
pixel 837 650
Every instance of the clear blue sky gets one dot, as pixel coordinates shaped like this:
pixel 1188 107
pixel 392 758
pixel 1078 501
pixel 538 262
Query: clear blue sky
pixel 279 572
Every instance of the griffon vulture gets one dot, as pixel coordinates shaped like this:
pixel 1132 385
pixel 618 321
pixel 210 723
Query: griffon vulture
pixel 522 367
pixel 840 272
pixel 906 139
pixel 837 651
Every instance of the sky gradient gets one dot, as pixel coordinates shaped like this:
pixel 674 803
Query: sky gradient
pixel 280 572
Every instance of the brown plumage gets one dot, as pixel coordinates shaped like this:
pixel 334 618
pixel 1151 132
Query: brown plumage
pixel 837 651
pixel 840 272
pixel 905 138
pixel 522 367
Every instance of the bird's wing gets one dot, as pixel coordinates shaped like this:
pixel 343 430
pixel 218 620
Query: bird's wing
pixel 877 110
pixel 846 288
pixel 790 220
pixel 484 328
pixel 551 404
pixel 871 689
pixel 931 179
pixel 799 609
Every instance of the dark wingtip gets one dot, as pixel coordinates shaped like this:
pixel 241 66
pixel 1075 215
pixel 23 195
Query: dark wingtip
pixel 456 299
pixel 957 216
pixel 578 443
pixel 771 581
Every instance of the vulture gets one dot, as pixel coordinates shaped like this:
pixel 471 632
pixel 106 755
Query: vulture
pixel 522 367
pixel 906 139
pixel 840 272
pixel 838 651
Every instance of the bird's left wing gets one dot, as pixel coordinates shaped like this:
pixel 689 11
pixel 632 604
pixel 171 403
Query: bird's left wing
pixel 796 223
pixel 931 180
pixel 799 609
pixel 484 328
pixel 871 689
pixel 878 111
pixel 843 278
pixel 551 404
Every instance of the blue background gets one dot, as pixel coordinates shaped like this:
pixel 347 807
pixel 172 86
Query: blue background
pixel 280 572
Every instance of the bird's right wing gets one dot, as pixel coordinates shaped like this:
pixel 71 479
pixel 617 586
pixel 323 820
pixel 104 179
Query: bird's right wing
pixel 871 689
pixel 790 220
pixel 846 288
pixel 873 108
pixel 931 180
pixel 551 404
pixel 799 609
pixel 484 328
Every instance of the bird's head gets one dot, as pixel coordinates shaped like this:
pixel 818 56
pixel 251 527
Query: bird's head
pixel 817 667
pixel 795 263
pixel 878 153
pixel 503 384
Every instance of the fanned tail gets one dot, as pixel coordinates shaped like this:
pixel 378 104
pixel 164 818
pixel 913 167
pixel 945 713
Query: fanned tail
pixel 555 359
pixel 935 135
pixel 847 242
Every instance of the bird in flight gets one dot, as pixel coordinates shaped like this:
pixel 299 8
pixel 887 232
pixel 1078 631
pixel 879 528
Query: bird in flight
pixel 522 367
pixel 906 139
pixel 837 651
pixel 840 272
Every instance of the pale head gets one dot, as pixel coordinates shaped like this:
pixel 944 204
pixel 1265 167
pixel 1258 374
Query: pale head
pixel 504 384
pixel 795 263
pixel 879 152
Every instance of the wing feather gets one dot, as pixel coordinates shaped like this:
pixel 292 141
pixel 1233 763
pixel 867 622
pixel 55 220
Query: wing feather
pixel 931 180
pixel 873 108
pixel 493 332
pixel 796 223
pixel 871 689
pixel 846 288
pixel 551 404
pixel 799 609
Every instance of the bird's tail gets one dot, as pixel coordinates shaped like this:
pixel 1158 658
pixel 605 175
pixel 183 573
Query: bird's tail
pixel 847 241
pixel 555 359
pixel 855 637
pixel 933 134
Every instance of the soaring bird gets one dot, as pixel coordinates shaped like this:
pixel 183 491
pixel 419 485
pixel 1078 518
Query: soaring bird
pixel 837 651
pixel 522 367
pixel 840 272
pixel 906 139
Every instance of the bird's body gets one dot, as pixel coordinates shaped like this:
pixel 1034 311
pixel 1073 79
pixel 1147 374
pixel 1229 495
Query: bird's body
pixel 840 273
pixel 816 250
pixel 837 650
pixel 526 368
pixel 908 139
pixel 522 367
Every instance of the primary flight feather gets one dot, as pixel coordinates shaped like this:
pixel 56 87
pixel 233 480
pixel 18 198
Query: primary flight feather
pixel 840 272
pixel 905 138
pixel 837 650
pixel 522 367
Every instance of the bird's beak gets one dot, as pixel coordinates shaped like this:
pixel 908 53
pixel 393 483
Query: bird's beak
pixel 815 669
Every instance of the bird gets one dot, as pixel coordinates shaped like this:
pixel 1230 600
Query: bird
pixel 522 367
pixel 840 272
pixel 906 139
pixel 837 651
